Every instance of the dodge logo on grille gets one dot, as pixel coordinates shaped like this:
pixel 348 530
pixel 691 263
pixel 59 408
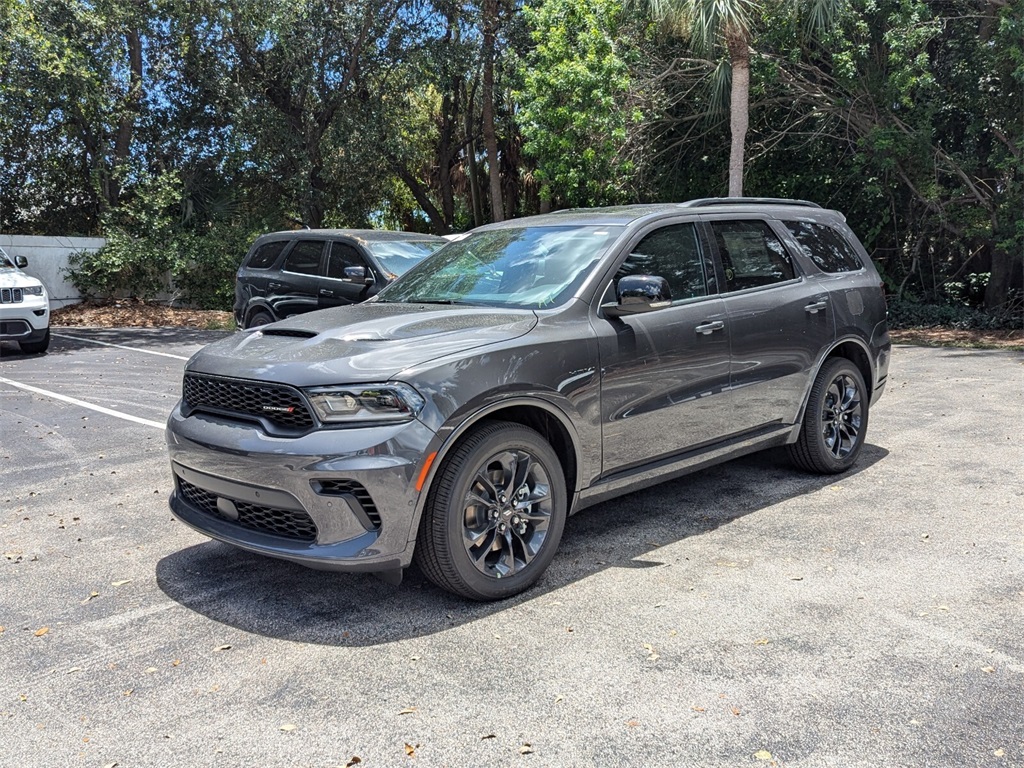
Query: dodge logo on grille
pixel 279 408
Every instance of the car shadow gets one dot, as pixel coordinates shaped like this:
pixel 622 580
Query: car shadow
pixel 282 600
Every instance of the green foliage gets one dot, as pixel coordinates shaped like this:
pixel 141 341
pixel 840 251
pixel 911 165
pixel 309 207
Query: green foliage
pixel 140 251
pixel 905 314
pixel 153 248
pixel 575 105
pixel 180 129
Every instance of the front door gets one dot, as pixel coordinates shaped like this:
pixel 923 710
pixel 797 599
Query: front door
pixel 335 288
pixel 663 372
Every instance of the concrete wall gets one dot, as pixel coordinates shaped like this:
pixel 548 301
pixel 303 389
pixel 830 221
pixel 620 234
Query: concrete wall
pixel 47 260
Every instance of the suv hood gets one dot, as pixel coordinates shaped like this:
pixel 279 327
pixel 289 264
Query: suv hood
pixel 15 278
pixel 356 344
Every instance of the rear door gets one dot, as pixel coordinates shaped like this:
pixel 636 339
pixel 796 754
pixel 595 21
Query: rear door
pixel 293 290
pixel 334 288
pixel 779 322
pixel 663 372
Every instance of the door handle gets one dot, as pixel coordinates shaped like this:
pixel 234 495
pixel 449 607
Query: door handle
pixel 325 292
pixel 813 308
pixel 274 285
pixel 709 328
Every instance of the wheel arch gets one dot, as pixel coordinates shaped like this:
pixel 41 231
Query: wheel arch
pixel 551 422
pixel 851 348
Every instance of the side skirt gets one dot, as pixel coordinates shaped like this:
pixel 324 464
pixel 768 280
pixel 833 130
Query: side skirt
pixel 682 464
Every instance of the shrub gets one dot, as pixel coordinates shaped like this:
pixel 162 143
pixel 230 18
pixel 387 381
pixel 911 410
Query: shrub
pixel 910 314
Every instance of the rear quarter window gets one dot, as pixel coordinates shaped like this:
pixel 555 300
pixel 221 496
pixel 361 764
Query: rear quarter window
pixel 826 247
pixel 266 255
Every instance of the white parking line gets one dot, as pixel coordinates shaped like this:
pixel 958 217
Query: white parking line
pixel 119 346
pixel 81 403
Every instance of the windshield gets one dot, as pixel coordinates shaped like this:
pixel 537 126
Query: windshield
pixel 6 262
pixel 398 256
pixel 527 267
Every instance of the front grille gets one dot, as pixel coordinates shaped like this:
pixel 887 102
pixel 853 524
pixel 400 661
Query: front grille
pixel 11 296
pixel 279 404
pixel 198 498
pixel 358 492
pixel 287 523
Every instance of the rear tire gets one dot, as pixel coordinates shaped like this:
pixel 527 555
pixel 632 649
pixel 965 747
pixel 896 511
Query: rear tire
pixel 835 421
pixel 494 515
pixel 259 317
pixel 36 347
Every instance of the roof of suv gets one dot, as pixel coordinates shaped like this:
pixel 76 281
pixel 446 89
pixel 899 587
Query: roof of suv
pixel 362 235
pixel 627 214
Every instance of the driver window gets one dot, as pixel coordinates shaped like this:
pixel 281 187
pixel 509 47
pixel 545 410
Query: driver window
pixel 672 252
pixel 342 256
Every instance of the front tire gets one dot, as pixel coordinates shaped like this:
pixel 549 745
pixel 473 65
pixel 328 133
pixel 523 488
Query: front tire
pixel 495 514
pixel 36 347
pixel 835 421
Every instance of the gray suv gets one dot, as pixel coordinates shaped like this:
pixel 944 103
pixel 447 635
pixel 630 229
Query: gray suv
pixel 521 374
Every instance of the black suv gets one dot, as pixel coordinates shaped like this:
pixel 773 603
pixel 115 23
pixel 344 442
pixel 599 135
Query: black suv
pixel 288 273
pixel 532 369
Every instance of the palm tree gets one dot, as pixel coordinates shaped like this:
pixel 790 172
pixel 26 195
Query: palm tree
pixel 713 24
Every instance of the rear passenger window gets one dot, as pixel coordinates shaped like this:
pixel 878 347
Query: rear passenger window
pixel 673 253
pixel 825 246
pixel 267 254
pixel 752 255
pixel 304 258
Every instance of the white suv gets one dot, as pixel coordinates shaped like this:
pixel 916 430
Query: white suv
pixel 24 306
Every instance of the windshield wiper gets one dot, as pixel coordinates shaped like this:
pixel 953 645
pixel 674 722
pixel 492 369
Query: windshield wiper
pixel 438 301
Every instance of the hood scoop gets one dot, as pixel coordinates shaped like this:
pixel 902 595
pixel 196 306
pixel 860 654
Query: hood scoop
pixel 292 332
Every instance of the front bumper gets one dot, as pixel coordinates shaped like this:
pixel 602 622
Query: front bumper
pixel 26 320
pixel 338 499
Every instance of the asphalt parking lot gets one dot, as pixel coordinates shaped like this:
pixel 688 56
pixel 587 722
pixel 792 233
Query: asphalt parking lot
pixel 745 615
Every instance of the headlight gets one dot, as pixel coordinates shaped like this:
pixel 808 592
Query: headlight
pixel 33 290
pixel 342 404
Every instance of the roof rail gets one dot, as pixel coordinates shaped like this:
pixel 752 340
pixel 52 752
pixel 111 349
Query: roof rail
pixel 707 202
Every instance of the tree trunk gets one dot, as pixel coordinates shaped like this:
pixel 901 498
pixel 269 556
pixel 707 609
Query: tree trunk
pixel 490 20
pixel 739 106
pixel 132 105
pixel 471 166
pixel 437 220
pixel 1005 272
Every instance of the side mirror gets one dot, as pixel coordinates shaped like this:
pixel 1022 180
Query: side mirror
pixel 639 293
pixel 358 275
pixel 20 262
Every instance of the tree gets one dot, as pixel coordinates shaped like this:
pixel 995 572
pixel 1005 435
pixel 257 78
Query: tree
pixel 712 25
pixel 578 107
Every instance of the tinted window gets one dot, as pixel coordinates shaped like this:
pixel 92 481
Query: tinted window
pixel 304 258
pixel 267 254
pixel 751 254
pixel 342 256
pixel 673 253
pixel 825 246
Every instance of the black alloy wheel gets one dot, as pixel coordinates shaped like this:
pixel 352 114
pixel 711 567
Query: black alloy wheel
pixel 495 513
pixel 835 421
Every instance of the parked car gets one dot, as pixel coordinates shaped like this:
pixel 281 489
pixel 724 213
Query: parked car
pixel 525 372
pixel 288 273
pixel 24 306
